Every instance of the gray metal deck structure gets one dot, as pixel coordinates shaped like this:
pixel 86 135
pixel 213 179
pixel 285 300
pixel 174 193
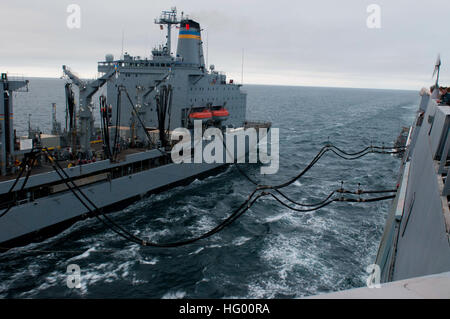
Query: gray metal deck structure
pixel 416 236
pixel 426 287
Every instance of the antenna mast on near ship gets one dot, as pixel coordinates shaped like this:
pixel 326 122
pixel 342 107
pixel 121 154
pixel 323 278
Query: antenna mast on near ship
pixel 168 18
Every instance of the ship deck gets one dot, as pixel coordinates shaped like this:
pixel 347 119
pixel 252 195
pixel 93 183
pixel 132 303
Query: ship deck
pixel 46 167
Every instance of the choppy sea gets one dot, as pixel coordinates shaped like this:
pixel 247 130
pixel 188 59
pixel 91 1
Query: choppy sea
pixel 270 252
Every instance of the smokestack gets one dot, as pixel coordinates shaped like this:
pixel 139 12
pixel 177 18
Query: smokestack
pixel 190 48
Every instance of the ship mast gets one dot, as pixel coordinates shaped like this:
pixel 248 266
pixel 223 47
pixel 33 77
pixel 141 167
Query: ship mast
pixel 168 18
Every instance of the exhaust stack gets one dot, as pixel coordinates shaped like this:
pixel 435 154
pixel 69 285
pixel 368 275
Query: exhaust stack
pixel 190 48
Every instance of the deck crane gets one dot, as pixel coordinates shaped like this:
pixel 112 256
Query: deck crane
pixel 87 90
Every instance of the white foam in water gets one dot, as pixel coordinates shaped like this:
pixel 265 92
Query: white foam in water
pixel 155 235
pixel 174 295
pixel 214 246
pixel 241 240
pixel 297 183
pixel 86 254
pixel 296 254
pixel 170 220
pixel 197 251
pixel 152 261
pixel 203 225
pixel 284 255
pixel 277 217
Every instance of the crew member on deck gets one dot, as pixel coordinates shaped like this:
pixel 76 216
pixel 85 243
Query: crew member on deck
pixel 445 96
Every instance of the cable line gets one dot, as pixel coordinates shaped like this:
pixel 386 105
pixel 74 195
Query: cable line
pixel 244 207
pixel 27 162
pixel 258 192
pixel 163 152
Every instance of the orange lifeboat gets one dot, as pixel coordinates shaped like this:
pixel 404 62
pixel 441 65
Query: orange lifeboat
pixel 204 115
pixel 221 114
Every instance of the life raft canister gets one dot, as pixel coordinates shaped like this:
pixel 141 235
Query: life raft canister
pixel 220 114
pixel 204 115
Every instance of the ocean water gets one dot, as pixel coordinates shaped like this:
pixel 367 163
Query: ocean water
pixel 270 252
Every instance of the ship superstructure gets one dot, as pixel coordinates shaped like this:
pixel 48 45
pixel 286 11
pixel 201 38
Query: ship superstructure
pixel 194 87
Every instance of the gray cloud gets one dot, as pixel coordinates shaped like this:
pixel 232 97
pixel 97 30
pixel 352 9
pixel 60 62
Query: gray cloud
pixel 322 42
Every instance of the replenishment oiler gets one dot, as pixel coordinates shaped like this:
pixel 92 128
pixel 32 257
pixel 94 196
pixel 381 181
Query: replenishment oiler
pixel 128 155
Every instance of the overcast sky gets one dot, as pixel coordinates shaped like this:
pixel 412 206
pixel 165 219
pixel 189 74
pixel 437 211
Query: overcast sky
pixel 313 43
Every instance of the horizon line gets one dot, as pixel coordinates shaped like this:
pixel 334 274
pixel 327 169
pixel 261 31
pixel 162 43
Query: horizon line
pixel 256 84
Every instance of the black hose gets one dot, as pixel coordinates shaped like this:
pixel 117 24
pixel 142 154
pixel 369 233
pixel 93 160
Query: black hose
pixel 365 200
pixel 241 210
pixel 306 205
pixel 117 131
pixel 105 126
pixel 31 162
pixel 55 167
pixel 127 235
pixel 142 123
pixel 245 206
pixel 326 203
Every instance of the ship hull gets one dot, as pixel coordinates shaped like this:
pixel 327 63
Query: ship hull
pixel 47 216
pixel 415 241
pixel 39 217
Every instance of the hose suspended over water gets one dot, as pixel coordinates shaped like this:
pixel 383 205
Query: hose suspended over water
pixel 258 192
pixel 326 148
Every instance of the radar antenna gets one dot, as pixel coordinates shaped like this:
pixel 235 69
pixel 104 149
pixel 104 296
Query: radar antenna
pixel 437 68
pixel 168 18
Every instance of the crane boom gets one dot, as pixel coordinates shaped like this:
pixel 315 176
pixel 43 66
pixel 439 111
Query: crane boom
pixel 87 90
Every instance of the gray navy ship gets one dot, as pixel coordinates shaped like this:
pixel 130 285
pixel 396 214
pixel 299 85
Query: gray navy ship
pixel 413 258
pixel 127 156
pixel 416 236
